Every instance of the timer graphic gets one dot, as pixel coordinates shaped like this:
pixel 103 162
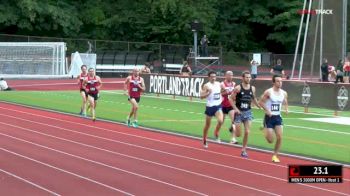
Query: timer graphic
pixel 315 173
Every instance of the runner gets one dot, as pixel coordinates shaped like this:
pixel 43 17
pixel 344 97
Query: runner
pixel 241 100
pixel 93 85
pixel 83 94
pixel 271 102
pixel 227 87
pixel 212 92
pixel 133 86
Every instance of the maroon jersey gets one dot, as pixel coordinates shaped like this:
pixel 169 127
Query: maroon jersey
pixel 92 83
pixel 229 87
pixel 134 90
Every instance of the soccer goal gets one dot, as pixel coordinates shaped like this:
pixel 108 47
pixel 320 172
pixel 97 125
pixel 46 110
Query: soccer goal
pixel 32 59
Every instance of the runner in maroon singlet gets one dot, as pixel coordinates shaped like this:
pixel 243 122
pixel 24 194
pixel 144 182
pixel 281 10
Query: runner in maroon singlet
pixel 93 84
pixel 133 87
pixel 227 86
pixel 82 91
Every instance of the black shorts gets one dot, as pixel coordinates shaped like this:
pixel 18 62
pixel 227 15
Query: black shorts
pixel 137 99
pixel 211 111
pixel 95 95
pixel 226 110
pixel 83 90
pixel 273 121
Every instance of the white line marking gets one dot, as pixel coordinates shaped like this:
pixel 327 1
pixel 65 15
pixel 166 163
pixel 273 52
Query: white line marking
pixel 60 83
pixel 198 113
pixel 29 182
pixel 175 144
pixel 128 156
pixel 163 152
pixel 64 171
pixel 102 164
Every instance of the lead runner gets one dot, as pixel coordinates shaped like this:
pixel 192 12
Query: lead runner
pixel 212 92
pixel 271 102
pixel 133 87
pixel 93 85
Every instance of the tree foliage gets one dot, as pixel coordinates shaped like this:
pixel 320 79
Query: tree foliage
pixel 237 25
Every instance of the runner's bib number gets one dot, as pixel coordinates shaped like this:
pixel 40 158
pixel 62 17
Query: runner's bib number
pixel 275 107
pixel 244 105
pixel 217 96
pixel 92 89
pixel 135 89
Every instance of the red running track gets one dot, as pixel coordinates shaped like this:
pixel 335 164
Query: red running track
pixel 44 153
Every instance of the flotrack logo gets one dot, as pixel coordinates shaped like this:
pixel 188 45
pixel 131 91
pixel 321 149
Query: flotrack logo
pixel 316 12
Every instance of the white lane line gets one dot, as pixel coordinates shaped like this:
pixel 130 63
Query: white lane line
pixel 60 83
pixel 198 113
pixel 161 141
pixel 65 171
pixel 163 152
pixel 128 156
pixel 102 164
pixel 29 182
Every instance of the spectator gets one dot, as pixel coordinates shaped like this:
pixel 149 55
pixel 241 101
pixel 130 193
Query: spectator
pixel 346 69
pixel 146 69
pixel 204 44
pixel 4 86
pixel 324 70
pixel 278 69
pixel 186 69
pixel 254 69
pixel 339 72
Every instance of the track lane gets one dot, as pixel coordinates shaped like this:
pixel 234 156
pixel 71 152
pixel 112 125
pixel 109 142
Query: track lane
pixel 138 131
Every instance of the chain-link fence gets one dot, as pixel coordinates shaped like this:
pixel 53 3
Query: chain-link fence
pixel 174 54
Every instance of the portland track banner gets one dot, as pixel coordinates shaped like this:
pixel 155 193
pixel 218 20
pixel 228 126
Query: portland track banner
pixel 174 85
pixel 300 93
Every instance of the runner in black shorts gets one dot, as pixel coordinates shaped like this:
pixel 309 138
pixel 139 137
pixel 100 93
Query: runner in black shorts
pixel 80 78
pixel 93 85
pixel 227 87
pixel 241 99
pixel 134 85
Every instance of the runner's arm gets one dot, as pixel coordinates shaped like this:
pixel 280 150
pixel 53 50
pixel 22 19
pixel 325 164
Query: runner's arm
pixel 232 98
pixel 204 92
pixel 262 102
pixel 142 86
pixel 126 83
pixel 285 102
pixel 100 82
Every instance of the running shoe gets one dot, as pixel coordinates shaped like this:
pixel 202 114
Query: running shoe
pixel 205 144
pixel 93 119
pixel 134 124
pixel 233 141
pixel 128 122
pixel 275 159
pixel 218 140
pixel 244 154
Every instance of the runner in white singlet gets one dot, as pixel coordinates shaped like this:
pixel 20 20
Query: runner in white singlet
pixel 272 101
pixel 212 92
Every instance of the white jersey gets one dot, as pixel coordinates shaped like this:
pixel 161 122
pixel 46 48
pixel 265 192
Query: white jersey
pixel 214 98
pixel 274 103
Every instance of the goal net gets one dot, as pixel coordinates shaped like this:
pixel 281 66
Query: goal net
pixel 32 59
